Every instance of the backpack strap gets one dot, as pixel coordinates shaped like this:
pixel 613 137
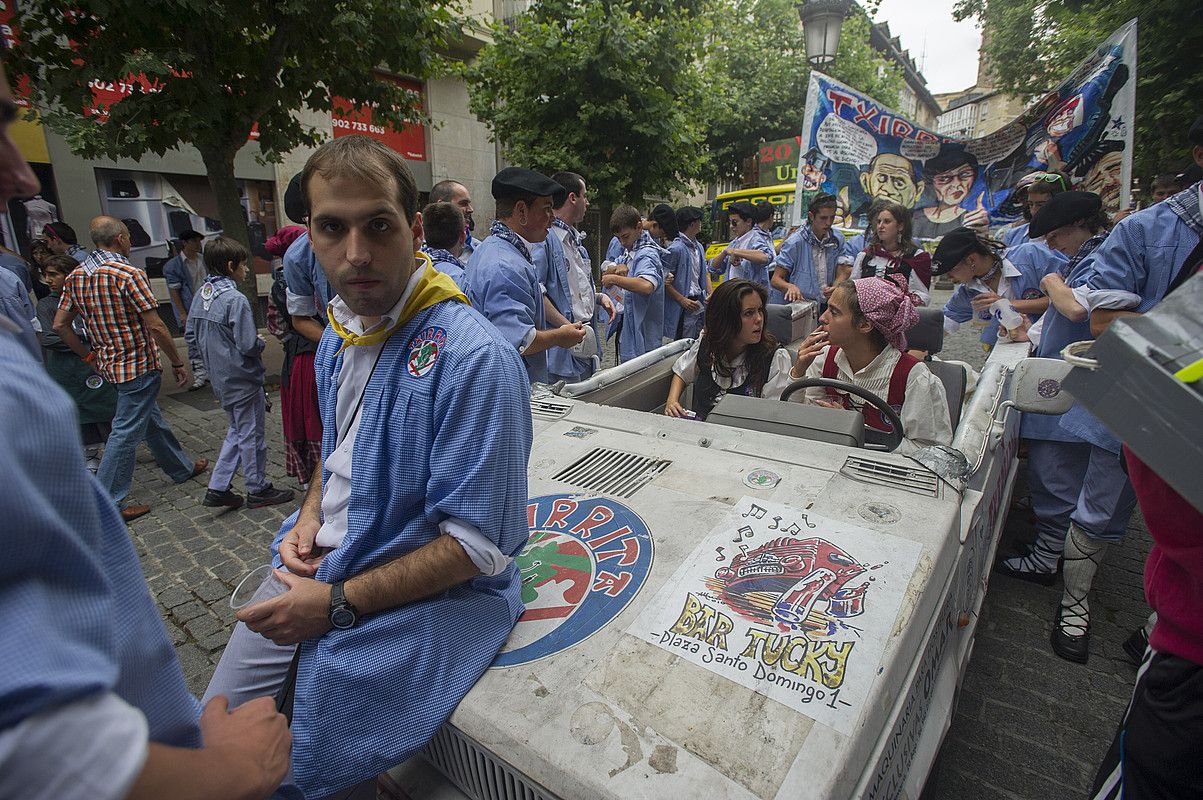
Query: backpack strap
pixel 902 372
pixel 831 371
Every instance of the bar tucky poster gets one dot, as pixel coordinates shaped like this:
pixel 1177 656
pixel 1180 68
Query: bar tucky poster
pixel 789 604
pixel 859 150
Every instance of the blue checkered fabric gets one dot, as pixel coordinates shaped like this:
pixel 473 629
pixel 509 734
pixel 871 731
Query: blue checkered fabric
pixel 1142 255
pixel 453 442
pixel 78 618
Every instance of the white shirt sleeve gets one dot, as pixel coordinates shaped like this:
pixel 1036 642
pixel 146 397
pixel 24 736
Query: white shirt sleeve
pixel 299 305
pixel 1094 299
pixel 484 554
pixel 951 325
pixel 94 747
pixel 779 376
pixel 686 366
pixel 918 289
pixel 925 418
pixel 526 340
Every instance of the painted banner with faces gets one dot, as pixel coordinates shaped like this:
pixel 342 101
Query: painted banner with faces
pixel 859 150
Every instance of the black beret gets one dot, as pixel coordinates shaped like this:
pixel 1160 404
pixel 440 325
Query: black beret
pixel 666 218
pixel 742 208
pixel 294 206
pixel 687 215
pixel 518 181
pixel 188 234
pixel 1065 208
pixel 952 250
pixel 1195 134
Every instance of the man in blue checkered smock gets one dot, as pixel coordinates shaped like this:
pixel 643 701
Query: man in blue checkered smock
pixel 92 699
pixel 402 586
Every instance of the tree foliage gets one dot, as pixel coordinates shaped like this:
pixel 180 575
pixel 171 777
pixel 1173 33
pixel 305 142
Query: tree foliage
pixel 1034 44
pixel 217 68
pixel 607 88
pixel 756 75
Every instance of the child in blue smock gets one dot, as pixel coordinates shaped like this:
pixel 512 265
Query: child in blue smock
pixel 985 273
pixel 642 287
pixel 222 329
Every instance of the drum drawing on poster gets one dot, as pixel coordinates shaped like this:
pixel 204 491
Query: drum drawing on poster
pixel 789 604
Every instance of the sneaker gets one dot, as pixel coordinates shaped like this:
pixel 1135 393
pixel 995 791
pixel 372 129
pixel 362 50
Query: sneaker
pixel 216 499
pixel 198 382
pixel 268 496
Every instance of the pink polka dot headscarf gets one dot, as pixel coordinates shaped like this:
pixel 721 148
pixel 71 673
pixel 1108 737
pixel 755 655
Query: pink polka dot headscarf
pixel 888 308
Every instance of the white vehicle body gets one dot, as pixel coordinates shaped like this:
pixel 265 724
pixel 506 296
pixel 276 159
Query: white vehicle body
pixel 615 716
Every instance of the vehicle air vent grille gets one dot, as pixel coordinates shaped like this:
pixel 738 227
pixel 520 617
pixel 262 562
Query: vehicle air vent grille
pixel 909 479
pixel 476 772
pixel 612 472
pixel 546 408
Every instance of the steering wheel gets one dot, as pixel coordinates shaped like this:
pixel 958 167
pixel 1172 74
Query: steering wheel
pixel 885 440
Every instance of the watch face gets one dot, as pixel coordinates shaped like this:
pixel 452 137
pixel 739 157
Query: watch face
pixel 342 618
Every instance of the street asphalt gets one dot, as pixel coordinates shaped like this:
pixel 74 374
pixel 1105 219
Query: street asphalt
pixel 1027 725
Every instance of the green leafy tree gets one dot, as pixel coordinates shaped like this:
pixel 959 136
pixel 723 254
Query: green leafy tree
pixel 607 88
pixel 756 75
pixel 217 69
pixel 1034 44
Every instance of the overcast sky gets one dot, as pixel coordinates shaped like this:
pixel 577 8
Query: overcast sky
pixel 945 50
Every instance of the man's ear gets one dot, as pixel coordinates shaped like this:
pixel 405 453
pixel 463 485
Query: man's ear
pixel 919 187
pixel 864 183
pixel 419 233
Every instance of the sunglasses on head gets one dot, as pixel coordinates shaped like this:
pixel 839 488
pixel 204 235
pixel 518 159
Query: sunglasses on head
pixel 1050 177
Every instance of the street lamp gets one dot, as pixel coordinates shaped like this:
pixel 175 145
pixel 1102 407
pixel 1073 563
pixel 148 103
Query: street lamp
pixel 821 23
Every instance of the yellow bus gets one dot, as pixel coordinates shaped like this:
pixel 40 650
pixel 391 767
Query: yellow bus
pixel 780 196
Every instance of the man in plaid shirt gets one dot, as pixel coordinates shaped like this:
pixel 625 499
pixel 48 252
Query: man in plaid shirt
pixel 121 316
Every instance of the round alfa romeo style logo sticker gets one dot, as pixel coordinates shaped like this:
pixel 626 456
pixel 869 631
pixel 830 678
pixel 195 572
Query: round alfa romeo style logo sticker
pixel 585 561
pixel 424 351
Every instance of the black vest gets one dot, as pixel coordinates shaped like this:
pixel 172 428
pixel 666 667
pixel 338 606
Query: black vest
pixel 706 392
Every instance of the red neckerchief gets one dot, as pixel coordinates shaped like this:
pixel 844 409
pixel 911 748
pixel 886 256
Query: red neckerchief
pixel 918 263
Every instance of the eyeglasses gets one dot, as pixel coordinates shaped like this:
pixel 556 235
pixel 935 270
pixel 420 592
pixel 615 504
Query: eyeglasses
pixel 1050 177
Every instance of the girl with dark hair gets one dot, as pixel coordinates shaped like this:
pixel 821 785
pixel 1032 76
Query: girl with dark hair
pixel 891 251
pixel 735 354
pixel 987 272
pixel 865 324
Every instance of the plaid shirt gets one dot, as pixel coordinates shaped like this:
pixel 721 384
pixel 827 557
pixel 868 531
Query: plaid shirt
pixel 111 295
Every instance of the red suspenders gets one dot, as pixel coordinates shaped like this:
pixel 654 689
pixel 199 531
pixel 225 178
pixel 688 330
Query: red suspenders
pixel 894 397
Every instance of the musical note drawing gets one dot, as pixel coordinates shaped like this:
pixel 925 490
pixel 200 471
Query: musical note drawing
pixel 743 549
pixel 809 524
pixel 742 532
pixel 756 512
pixel 793 529
pixel 776 523
pixel 721 557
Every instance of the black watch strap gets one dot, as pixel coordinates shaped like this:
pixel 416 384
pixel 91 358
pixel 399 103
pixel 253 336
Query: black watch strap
pixel 343 615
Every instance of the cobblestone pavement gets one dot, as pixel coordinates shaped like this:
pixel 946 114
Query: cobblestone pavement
pixel 1028 725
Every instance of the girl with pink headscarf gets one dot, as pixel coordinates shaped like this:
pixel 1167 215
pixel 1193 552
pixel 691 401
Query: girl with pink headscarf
pixel 862 340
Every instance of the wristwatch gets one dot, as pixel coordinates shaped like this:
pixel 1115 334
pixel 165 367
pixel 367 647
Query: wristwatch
pixel 343 615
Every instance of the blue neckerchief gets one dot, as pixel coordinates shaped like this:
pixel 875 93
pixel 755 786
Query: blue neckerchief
pixel 503 231
pixel 1186 205
pixel 438 254
pixel 645 240
pixel 574 236
pixel 213 286
pixel 1086 249
pixel 813 241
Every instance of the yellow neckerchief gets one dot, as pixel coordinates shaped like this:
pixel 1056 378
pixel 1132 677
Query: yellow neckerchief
pixel 433 287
